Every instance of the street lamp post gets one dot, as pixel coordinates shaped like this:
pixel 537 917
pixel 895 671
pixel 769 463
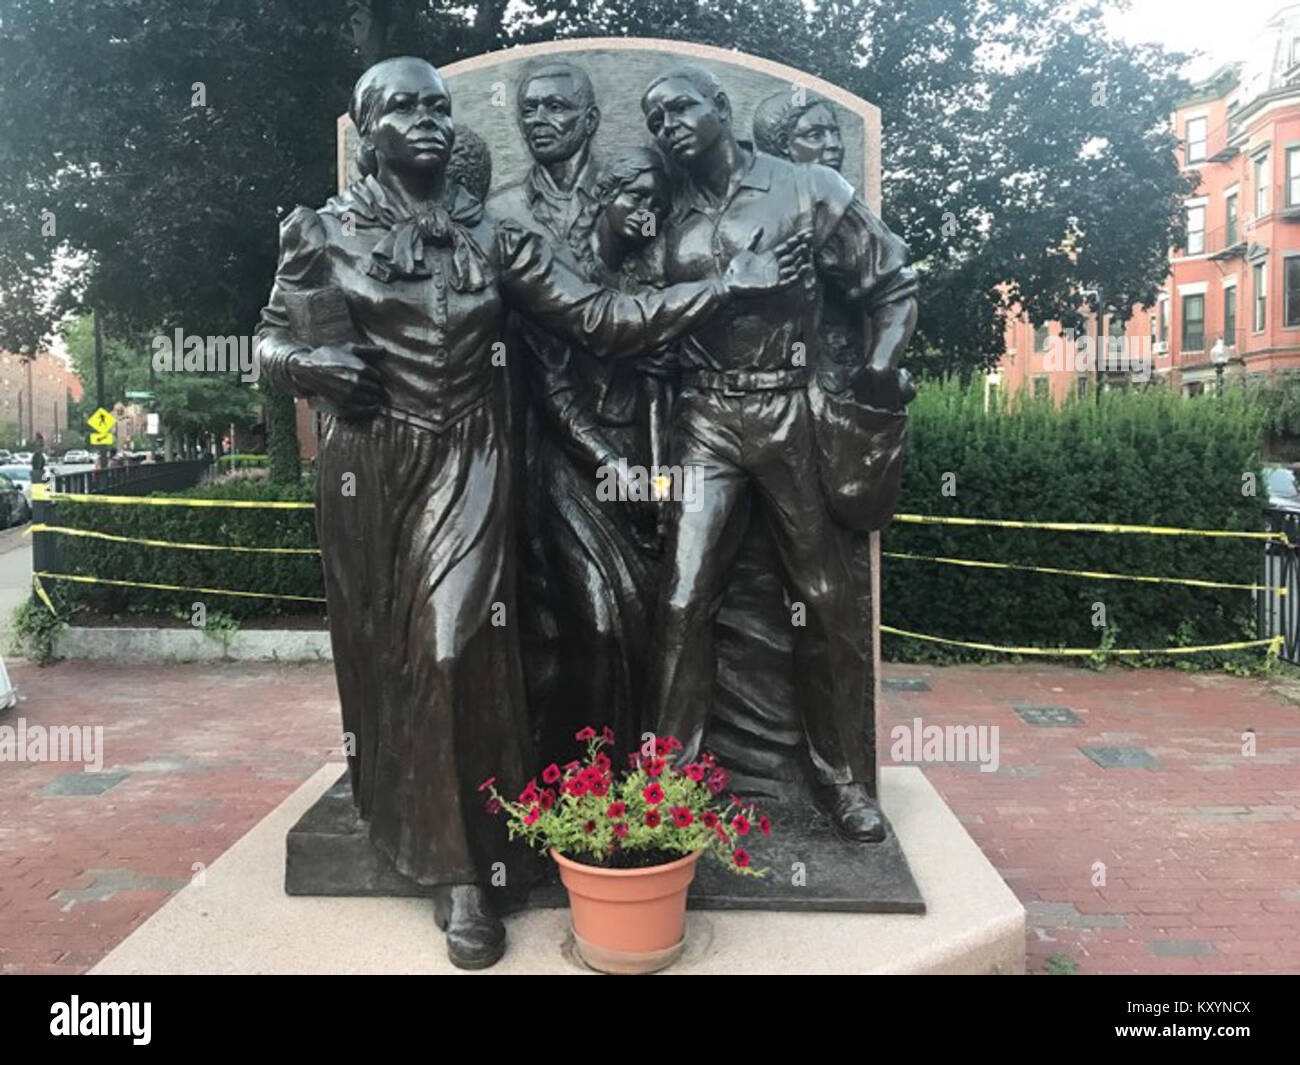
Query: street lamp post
pixel 1219 358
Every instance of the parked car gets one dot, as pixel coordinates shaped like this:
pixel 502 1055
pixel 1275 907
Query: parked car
pixel 1283 488
pixel 15 506
pixel 6 455
pixel 78 457
pixel 21 476
pixel 23 457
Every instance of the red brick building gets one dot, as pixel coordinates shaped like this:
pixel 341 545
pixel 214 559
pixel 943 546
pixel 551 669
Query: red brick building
pixel 34 395
pixel 1237 278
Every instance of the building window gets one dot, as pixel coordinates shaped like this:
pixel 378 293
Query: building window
pixel 1230 227
pixel 1291 297
pixel 1155 329
pixel 1230 316
pixel 1040 338
pixel 1164 321
pixel 1261 296
pixel 1195 132
pixel 1082 386
pixel 1293 177
pixel 1194 323
pixel 1196 230
pixel 1260 173
pixel 1042 388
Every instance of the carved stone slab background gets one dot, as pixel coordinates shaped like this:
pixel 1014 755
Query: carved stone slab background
pixel 755 729
pixel 620 69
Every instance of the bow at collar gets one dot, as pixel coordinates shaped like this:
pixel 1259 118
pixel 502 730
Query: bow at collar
pixel 400 252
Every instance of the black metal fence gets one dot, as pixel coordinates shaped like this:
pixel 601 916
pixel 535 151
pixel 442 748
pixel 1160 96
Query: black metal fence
pixel 121 480
pixel 1279 615
pixel 134 480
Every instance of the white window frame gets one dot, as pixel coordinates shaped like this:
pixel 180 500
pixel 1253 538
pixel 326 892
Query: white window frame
pixel 1204 140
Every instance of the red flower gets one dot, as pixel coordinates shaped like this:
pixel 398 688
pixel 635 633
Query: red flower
pixel 653 794
pixel 598 787
pixel 682 817
pixel 590 826
pixel 493 807
pixel 532 815
pixel 717 781
pixel 709 818
pixel 551 773
pixel 576 787
pixel 570 767
pixel 548 799
pixel 741 824
pixel 722 832
pixel 655 766
pixel 487 783
pixel 620 830
pixel 529 795
pixel 652 818
pixel 695 771
pixel 667 745
pixel 601 762
pixel 607 734
pixel 765 826
pixel 584 734
pixel 616 809
pixel 740 857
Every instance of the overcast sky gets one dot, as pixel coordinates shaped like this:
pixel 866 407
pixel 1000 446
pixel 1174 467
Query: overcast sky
pixel 1223 31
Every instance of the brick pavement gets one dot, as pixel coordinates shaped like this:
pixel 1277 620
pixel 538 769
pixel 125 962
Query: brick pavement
pixel 1201 853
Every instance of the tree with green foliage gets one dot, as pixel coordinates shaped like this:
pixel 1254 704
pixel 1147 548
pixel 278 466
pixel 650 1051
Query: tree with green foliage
pixel 148 148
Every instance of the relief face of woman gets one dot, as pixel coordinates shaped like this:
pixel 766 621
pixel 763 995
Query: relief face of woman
pixel 415 279
pixel 816 138
pixel 636 212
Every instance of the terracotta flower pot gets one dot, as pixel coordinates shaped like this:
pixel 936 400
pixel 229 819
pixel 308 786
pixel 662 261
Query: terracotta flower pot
pixel 628 920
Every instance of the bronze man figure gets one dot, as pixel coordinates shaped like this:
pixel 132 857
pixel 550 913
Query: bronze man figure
pixel 743 420
pixel 386 307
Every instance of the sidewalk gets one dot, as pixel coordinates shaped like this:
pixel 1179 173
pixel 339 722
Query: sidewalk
pixel 1201 851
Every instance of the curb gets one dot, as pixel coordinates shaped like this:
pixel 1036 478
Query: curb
pixel 145 645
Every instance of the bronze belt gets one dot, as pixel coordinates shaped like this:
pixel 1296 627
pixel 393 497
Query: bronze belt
pixel 738 382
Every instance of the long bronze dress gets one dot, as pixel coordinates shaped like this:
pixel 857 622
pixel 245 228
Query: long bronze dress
pixel 419 583
pixel 600 553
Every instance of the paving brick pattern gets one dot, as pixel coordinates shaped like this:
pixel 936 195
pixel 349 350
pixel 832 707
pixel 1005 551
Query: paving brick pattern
pixel 1200 856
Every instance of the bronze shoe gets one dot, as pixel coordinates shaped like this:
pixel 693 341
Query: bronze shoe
pixel 476 938
pixel 852 811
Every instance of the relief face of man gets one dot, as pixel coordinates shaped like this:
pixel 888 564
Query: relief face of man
pixel 816 138
pixel 555 118
pixel 641 200
pixel 414 129
pixel 683 120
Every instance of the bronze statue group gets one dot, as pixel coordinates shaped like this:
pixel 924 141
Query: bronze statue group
pixel 698 301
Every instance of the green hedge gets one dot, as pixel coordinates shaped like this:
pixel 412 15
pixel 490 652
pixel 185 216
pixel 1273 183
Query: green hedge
pixel 241 462
pixel 1143 457
pixel 288 574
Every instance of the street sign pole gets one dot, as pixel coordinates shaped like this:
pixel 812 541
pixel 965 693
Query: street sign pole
pixel 99 382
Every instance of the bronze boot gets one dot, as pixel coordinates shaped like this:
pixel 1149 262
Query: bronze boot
pixel 476 938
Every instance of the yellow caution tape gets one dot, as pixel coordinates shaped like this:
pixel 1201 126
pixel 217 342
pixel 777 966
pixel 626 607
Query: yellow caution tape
pixel 1077 526
pixel 1279 590
pixel 154 501
pixel 41 527
pixel 175 587
pixel 40 591
pixel 1274 644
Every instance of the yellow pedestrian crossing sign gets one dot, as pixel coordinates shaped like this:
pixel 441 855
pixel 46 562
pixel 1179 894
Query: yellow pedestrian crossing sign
pixel 101 439
pixel 102 422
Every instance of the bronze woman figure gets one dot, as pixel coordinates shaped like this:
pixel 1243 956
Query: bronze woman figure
pixel 600 417
pixel 386 310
